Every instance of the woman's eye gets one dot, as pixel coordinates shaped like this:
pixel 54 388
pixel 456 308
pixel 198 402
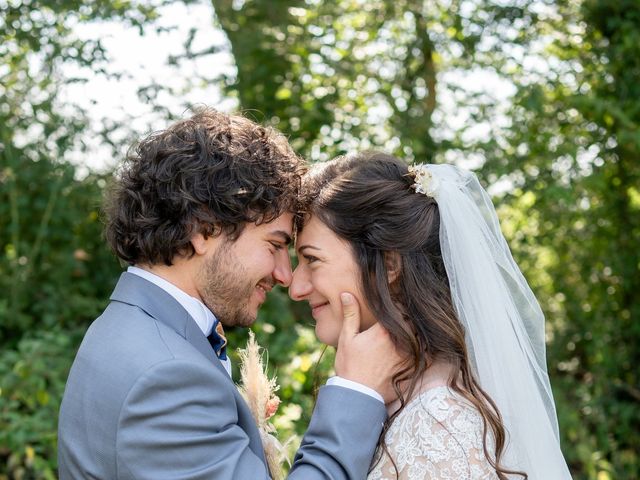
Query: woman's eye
pixel 310 258
pixel 277 246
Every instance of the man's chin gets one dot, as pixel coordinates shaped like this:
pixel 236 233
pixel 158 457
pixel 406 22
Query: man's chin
pixel 247 322
pixel 240 321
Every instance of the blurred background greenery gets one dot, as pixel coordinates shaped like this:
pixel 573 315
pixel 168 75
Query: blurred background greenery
pixel 540 97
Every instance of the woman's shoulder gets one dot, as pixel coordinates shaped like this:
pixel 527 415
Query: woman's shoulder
pixel 441 402
pixel 445 412
pixel 439 434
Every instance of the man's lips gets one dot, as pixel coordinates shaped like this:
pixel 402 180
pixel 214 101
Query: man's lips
pixel 263 288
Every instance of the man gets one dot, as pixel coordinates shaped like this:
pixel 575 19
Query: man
pixel 203 214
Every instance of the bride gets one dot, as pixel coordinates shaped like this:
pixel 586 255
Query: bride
pixel 421 249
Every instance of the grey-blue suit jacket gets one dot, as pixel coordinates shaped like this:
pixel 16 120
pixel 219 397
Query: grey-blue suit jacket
pixel 147 398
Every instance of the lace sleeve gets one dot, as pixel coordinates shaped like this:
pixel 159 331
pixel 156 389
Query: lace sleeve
pixel 437 436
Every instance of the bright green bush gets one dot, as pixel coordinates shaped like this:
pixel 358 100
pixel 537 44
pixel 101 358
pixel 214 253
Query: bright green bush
pixel 32 378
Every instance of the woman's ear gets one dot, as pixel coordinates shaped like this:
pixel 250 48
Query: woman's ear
pixel 393 264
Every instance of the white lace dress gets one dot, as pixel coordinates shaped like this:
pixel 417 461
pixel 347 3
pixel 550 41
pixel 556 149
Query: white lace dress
pixel 437 436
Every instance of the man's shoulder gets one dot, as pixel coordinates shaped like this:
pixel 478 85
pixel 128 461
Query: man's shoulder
pixel 129 334
pixel 123 345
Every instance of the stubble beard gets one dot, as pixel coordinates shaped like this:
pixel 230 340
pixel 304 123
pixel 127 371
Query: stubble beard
pixel 226 289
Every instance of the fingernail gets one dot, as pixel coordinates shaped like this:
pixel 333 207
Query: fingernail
pixel 346 298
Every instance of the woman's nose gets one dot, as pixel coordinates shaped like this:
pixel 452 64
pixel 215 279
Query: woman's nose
pixel 300 286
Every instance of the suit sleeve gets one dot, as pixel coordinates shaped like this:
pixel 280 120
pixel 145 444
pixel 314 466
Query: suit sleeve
pixel 178 423
pixel 341 437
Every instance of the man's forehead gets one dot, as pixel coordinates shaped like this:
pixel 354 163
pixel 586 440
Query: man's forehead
pixel 280 227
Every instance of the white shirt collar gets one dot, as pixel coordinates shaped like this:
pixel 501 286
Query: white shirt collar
pixel 198 310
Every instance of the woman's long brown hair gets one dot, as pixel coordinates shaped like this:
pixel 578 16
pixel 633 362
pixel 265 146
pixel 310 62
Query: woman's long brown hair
pixel 368 200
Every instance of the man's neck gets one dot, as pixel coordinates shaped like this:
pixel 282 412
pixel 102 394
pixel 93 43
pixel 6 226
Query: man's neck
pixel 179 274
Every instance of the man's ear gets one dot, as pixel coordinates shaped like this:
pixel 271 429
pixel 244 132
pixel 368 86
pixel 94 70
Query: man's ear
pixel 392 263
pixel 205 239
pixel 200 244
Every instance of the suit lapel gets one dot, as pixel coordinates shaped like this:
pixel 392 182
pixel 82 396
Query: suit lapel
pixel 157 303
pixel 135 290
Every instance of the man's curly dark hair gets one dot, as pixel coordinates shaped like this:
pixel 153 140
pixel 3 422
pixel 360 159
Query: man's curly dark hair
pixel 212 173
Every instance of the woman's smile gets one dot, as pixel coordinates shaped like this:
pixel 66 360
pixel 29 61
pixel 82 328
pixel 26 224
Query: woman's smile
pixel 317 308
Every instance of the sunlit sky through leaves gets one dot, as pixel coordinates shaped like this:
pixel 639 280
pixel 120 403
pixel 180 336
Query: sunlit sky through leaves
pixel 136 61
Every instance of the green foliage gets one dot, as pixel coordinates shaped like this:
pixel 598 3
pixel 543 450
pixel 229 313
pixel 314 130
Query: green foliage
pixel 340 76
pixel 56 275
pixel 324 72
pixel 55 271
pixel 53 246
pixel 31 386
pixel 572 152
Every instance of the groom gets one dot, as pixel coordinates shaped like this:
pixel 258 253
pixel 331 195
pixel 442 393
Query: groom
pixel 202 213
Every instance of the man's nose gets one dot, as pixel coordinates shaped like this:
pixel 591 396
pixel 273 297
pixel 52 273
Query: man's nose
pixel 282 273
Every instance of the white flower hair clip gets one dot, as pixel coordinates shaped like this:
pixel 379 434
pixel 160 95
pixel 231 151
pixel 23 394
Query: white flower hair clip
pixel 424 181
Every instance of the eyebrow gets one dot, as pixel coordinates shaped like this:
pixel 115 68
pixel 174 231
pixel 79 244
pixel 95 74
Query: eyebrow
pixel 284 236
pixel 305 247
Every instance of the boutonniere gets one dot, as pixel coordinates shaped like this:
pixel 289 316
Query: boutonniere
pixel 259 391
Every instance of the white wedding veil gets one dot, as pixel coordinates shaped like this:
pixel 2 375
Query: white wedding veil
pixel 503 321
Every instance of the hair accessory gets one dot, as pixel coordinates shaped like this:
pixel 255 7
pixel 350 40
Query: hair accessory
pixel 424 181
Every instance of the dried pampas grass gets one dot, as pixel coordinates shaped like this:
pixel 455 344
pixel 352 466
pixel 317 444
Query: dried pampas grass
pixel 259 392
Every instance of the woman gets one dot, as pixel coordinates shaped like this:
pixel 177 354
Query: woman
pixel 422 251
